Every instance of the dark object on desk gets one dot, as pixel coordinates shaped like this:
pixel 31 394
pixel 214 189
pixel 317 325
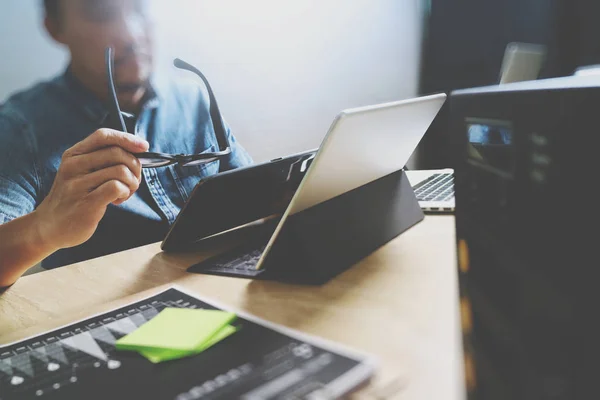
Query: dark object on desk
pixel 80 361
pixel 322 241
pixel 526 170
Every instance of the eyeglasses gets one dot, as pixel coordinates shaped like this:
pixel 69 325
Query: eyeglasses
pixel 155 160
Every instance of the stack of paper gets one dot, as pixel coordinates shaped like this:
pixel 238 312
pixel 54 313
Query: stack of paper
pixel 178 332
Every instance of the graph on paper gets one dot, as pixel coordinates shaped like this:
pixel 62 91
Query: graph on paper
pixel 80 362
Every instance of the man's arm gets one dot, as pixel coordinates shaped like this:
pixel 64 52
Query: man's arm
pixel 94 173
pixel 22 247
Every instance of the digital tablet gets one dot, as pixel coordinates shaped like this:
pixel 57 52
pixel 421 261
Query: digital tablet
pixel 236 198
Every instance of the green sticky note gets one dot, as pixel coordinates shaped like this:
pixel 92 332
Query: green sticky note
pixel 179 329
pixel 160 355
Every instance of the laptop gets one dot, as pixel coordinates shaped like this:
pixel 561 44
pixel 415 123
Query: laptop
pixel 362 145
pixel 522 62
pixel 435 188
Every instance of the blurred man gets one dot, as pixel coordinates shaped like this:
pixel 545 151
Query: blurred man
pixel 70 189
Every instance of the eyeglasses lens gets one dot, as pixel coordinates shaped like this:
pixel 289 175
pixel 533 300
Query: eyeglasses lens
pixel 199 162
pixel 151 162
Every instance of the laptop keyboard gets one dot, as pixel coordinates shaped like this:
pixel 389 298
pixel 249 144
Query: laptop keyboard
pixel 438 187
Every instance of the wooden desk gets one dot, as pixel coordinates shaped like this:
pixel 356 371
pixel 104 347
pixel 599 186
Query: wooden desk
pixel 399 304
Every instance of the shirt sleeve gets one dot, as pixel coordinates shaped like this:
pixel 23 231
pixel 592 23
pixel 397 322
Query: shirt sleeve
pixel 239 157
pixel 19 178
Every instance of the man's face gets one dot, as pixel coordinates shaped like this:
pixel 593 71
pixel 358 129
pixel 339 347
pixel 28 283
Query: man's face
pixel 88 27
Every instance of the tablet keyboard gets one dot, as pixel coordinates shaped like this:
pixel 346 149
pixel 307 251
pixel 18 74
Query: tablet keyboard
pixel 240 261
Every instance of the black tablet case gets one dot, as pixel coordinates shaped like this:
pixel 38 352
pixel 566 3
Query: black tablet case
pixel 320 242
pixel 234 198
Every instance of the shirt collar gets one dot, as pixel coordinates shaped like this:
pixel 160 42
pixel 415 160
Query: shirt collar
pixel 94 108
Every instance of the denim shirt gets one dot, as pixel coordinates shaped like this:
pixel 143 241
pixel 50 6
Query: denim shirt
pixel 38 125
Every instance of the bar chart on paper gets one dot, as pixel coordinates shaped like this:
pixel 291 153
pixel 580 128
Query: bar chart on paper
pixel 80 362
pixel 56 361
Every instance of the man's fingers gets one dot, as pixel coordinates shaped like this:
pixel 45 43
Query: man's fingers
pixel 105 158
pixel 119 173
pixel 109 192
pixel 106 138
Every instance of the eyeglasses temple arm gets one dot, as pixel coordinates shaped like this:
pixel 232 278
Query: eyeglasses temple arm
pixel 215 114
pixel 115 109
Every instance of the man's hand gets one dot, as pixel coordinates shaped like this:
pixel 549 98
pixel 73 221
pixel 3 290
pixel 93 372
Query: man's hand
pixel 94 173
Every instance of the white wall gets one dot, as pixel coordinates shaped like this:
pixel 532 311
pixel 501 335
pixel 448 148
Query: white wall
pixel 281 69
pixel 27 55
